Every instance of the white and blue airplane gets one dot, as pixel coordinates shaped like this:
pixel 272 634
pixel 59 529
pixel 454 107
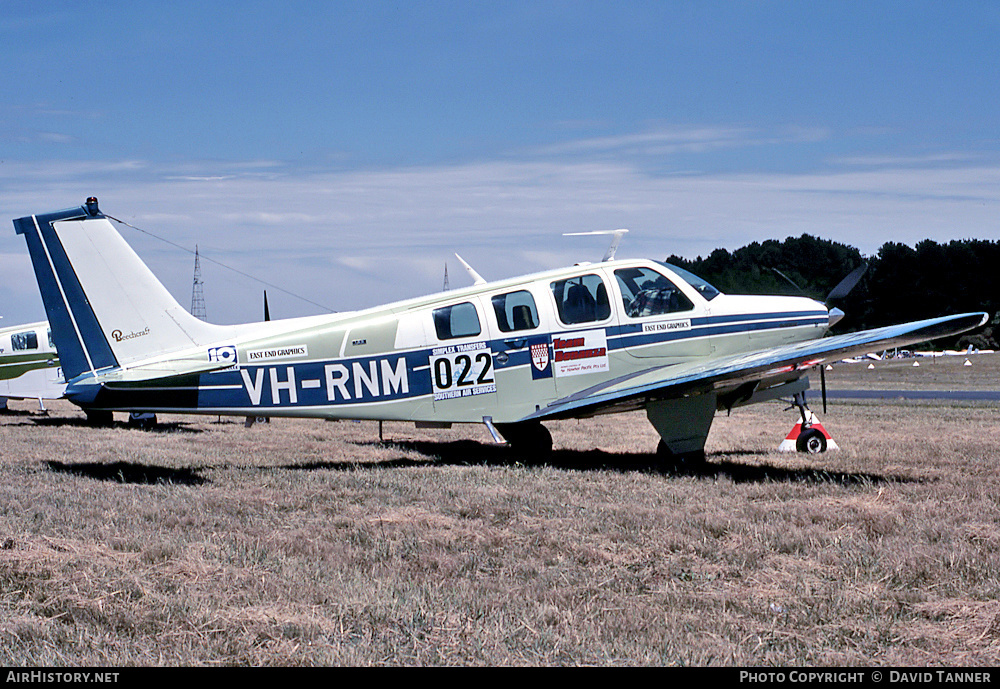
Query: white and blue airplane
pixel 29 364
pixel 612 336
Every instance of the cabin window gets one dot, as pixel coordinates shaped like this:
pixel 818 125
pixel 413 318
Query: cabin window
pixel 22 341
pixel 515 311
pixel 52 345
pixel 703 288
pixel 460 320
pixel 582 299
pixel 647 293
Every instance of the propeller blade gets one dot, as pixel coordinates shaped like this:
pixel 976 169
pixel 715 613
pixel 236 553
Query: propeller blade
pixel 822 384
pixel 790 281
pixel 847 284
pixel 267 313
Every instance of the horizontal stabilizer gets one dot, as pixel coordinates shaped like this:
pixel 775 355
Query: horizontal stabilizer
pixel 161 372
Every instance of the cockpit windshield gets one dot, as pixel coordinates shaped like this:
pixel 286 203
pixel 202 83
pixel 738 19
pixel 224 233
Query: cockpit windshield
pixel 703 288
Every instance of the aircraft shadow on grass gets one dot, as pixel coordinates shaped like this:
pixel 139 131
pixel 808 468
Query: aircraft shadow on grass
pixel 129 472
pixel 470 452
pixel 124 472
pixel 170 427
pixel 20 412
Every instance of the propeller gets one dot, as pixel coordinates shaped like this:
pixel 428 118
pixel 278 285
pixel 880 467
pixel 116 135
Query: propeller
pixel 267 313
pixel 842 289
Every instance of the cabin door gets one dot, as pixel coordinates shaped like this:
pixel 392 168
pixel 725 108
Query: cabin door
pixel 585 325
pixel 463 378
pixel 522 349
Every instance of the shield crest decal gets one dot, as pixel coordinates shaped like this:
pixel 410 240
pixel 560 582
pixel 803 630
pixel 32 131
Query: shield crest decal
pixel 540 355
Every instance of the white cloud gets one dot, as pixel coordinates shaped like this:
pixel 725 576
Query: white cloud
pixel 658 141
pixel 355 239
pixel 55 138
pixel 932 159
pixel 666 141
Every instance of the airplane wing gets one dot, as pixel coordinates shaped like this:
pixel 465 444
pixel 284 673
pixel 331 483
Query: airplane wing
pixel 763 367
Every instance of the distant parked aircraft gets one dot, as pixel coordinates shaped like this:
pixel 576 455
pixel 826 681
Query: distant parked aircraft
pixel 29 364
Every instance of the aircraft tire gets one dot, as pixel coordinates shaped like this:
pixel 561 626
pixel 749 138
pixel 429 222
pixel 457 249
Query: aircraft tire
pixel 100 418
pixel 679 461
pixel 142 421
pixel 531 440
pixel 811 442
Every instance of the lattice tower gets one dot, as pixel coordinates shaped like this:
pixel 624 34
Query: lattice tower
pixel 197 291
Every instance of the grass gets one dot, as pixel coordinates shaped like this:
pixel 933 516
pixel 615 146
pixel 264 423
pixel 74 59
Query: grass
pixel 312 543
pixel 918 373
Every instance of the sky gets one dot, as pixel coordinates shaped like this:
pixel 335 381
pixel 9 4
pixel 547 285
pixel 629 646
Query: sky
pixel 339 154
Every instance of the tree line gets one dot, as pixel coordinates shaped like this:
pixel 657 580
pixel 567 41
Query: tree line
pixel 901 284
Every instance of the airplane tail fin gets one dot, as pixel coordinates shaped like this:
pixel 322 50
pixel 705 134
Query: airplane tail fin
pixel 105 307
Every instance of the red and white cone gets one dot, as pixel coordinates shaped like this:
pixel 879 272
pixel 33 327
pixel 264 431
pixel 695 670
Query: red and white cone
pixel 792 442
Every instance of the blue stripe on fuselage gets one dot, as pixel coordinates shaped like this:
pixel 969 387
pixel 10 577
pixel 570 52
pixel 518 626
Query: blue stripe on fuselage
pixel 632 335
pixel 385 378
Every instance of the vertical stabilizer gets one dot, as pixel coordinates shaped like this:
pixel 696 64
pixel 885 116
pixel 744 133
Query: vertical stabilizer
pixel 105 307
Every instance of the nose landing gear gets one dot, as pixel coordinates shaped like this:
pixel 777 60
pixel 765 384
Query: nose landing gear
pixel 808 435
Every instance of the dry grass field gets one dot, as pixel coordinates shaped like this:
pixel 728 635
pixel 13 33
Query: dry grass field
pixel 312 543
pixel 918 373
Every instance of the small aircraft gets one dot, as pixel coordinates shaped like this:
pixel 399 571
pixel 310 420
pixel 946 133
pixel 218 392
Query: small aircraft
pixel 29 364
pixel 613 336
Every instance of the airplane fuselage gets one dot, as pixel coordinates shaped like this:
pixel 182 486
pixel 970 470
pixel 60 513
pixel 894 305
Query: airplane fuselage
pixel 502 350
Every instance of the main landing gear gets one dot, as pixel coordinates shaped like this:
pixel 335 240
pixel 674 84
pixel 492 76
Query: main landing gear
pixel 679 461
pixel 99 418
pixel 528 439
pixel 142 421
pixel 683 426
pixel 102 418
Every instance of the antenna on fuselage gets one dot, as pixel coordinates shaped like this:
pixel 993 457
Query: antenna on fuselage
pixel 609 255
pixel 477 279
